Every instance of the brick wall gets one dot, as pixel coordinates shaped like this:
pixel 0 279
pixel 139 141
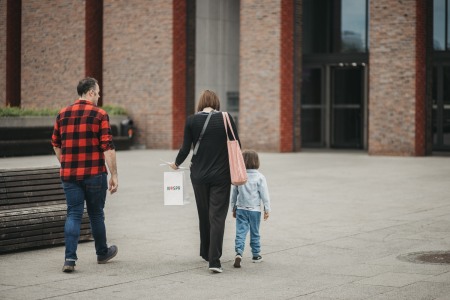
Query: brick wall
pixel 392 79
pixel 259 111
pixel 52 52
pixel 2 53
pixel 137 62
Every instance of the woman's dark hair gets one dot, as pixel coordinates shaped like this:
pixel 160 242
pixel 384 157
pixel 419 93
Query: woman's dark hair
pixel 85 85
pixel 251 159
pixel 208 99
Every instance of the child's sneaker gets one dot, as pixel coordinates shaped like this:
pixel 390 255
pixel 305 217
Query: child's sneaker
pixel 257 259
pixel 237 261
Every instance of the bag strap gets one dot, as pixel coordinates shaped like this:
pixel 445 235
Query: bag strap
pixel 203 131
pixel 226 119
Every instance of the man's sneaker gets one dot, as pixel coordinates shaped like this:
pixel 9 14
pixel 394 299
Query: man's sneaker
pixel 216 269
pixel 257 259
pixel 69 266
pixel 103 259
pixel 237 261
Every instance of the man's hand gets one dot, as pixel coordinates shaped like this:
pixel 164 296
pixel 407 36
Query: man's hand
pixel 113 184
pixel 110 157
pixel 173 166
pixel 266 215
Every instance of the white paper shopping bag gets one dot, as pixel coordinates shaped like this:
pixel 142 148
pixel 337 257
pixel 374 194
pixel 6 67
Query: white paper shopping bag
pixel 175 192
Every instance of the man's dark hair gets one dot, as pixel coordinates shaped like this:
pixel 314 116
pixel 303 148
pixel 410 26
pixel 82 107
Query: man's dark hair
pixel 85 85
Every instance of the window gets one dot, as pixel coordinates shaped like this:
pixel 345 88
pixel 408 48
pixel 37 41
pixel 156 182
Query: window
pixel 334 26
pixel 441 25
pixel 233 101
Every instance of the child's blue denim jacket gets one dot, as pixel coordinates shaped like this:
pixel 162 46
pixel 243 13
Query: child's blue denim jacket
pixel 250 195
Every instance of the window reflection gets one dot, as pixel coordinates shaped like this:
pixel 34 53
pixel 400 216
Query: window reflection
pixel 439 25
pixel 334 26
pixel 353 26
pixel 448 25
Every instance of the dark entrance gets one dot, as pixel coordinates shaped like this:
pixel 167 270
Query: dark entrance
pixel 333 106
pixel 441 107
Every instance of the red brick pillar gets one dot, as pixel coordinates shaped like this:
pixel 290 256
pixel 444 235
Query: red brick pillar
pixel 421 77
pixel 13 51
pixel 179 72
pixel 396 79
pixel 287 76
pixel 94 42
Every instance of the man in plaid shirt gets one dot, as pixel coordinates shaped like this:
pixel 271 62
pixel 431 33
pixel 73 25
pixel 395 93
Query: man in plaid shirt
pixel 82 142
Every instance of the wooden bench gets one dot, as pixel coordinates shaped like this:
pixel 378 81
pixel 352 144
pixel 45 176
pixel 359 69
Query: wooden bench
pixel 33 209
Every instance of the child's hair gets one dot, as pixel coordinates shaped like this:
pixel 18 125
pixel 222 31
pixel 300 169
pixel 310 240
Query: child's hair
pixel 251 159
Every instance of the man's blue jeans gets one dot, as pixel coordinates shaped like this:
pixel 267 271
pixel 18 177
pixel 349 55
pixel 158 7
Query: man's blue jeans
pixel 93 190
pixel 247 220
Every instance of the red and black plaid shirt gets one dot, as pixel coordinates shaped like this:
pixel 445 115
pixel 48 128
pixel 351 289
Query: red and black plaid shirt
pixel 83 133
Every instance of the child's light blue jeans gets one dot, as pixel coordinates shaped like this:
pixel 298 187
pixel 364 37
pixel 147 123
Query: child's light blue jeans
pixel 247 220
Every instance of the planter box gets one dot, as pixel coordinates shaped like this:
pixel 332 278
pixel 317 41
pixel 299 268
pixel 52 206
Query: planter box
pixel 22 136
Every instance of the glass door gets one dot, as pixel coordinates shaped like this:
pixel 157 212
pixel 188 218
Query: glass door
pixel 313 107
pixel 347 101
pixel 441 107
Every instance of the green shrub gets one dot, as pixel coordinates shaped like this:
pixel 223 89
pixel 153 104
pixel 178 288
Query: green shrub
pixel 21 112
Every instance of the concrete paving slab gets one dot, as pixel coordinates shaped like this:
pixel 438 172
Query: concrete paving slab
pixel 339 222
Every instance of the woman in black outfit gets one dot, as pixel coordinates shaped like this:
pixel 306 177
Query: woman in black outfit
pixel 210 174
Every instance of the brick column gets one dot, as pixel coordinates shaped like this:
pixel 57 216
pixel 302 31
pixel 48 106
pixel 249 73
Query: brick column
pixel 13 51
pixel 421 78
pixel 287 76
pixel 94 42
pixel 179 72
pixel 396 80
pixel 260 65
pixel 3 35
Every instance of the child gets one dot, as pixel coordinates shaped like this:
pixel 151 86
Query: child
pixel 246 207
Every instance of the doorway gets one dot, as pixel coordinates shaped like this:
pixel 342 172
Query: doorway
pixel 441 107
pixel 333 106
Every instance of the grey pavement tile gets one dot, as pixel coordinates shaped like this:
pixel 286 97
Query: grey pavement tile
pixel 394 279
pixel 352 291
pixel 418 291
pixel 444 278
pixel 30 293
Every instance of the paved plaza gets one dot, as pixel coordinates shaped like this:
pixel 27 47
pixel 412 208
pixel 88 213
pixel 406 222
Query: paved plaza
pixel 339 223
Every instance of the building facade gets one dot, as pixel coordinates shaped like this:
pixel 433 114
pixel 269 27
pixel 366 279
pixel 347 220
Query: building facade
pixel 339 74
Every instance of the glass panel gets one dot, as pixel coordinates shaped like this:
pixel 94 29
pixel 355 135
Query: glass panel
pixel 446 127
pixel 353 26
pixel 446 107
pixel 311 119
pixel 311 86
pixel 434 109
pixel 347 86
pixel 347 128
pixel 316 26
pixel 446 83
pixel 439 25
pixel 448 25
pixel 346 104
pixel 434 124
pixel 233 101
